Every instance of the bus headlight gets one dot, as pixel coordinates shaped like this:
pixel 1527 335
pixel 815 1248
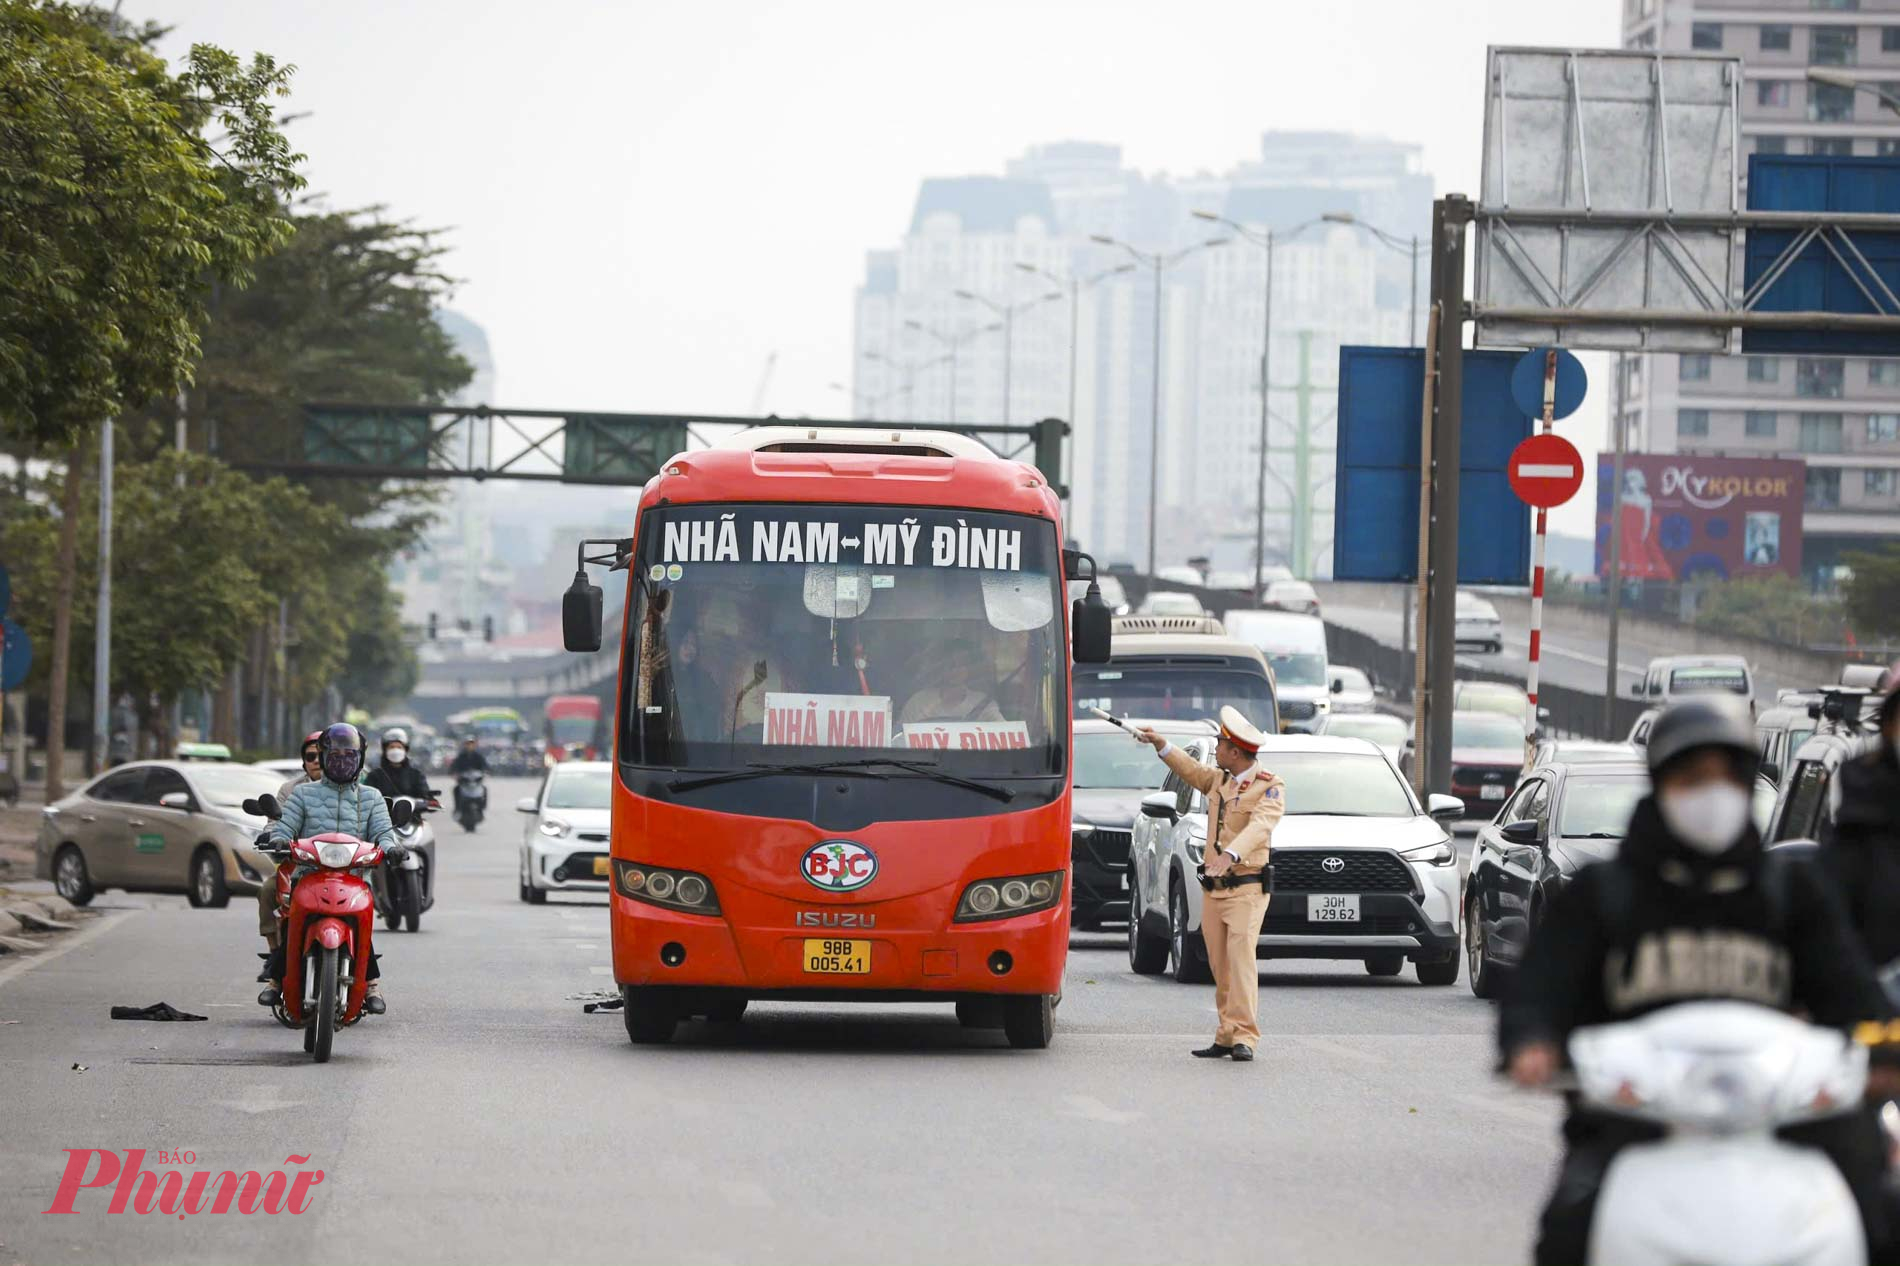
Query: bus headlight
pixel 670 889
pixel 1008 896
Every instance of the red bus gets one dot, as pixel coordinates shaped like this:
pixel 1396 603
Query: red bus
pixel 571 725
pixel 842 742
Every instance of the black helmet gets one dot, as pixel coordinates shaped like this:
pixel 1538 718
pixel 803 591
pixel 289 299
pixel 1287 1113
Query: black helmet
pixel 342 752
pixel 1703 721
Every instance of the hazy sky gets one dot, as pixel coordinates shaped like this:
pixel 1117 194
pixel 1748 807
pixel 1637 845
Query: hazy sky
pixel 648 199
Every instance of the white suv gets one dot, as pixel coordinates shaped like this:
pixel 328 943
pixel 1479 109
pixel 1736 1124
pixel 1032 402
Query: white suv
pixel 1360 869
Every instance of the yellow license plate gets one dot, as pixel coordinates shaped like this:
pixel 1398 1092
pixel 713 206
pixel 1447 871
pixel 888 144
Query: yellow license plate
pixel 600 866
pixel 838 958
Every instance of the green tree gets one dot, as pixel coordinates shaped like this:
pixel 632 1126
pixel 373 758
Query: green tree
pixel 1872 597
pixel 117 214
pixel 1775 608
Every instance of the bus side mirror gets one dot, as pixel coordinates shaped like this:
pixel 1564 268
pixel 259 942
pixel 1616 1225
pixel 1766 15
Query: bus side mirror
pixel 1091 627
pixel 580 615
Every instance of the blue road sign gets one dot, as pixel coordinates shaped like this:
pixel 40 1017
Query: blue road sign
pixel 16 655
pixel 1375 531
pixel 1823 278
pixel 1527 383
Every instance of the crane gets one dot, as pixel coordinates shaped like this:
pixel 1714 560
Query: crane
pixel 765 380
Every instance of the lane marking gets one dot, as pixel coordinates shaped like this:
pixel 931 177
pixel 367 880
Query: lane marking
pixel 70 941
pixel 1089 1108
pixel 600 971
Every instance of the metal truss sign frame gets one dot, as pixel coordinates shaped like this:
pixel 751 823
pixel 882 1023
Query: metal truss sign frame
pixel 1610 187
pixel 409 441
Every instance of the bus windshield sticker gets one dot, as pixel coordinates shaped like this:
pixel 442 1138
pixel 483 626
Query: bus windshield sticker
pixel 802 720
pixel 675 572
pixel 883 582
pixel 966 735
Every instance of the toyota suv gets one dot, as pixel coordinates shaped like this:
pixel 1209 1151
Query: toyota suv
pixel 1360 869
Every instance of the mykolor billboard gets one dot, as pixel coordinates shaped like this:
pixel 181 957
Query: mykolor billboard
pixel 1686 516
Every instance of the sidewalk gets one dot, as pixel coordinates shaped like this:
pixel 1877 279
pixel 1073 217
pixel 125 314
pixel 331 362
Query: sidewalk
pixel 18 826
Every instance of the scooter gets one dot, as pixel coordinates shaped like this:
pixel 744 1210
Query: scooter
pixel 405 889
pixel 471 798
pixel 330 916
pixel 1720 1186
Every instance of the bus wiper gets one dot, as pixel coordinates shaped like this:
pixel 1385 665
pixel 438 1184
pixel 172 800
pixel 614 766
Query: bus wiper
pixel 762 769
pixel 926 771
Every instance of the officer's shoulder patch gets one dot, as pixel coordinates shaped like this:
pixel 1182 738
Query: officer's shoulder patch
pixel 1273 791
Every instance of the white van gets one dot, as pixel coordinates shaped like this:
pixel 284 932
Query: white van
pixel 1670 677
pixel 1295 647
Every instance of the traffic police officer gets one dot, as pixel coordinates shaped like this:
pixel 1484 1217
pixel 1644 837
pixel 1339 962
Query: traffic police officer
pixel 1244 802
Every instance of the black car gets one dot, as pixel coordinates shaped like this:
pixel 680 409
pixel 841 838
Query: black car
pixel 1561 818
pixel 1112 773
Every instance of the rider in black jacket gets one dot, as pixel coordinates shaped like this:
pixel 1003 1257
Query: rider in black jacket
pixel 1690 908
pixel 1862 852
pixel 394 775
pixel 470 757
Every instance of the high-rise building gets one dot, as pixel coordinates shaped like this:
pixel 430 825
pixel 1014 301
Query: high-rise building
pixel 1027 241
pixel 1839 414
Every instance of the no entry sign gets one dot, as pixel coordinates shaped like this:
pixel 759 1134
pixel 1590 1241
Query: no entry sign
pixel 1545 471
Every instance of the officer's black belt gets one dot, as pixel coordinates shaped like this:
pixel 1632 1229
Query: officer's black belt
pixel 1231 880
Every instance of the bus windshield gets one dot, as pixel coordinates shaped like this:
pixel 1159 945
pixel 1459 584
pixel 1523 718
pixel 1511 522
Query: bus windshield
pixel 572 729
pixel 798 634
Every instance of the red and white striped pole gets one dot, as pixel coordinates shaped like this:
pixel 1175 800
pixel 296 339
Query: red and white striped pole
pixel 1537 561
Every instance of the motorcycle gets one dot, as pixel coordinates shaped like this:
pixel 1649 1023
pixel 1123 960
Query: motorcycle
pixel 471 798
pixel 407 888
pixel 1721 1186
pixel 330 913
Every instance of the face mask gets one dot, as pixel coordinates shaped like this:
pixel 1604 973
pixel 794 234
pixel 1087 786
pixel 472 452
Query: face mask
pixel 341 765
pixel 395 755
pixel 1710 819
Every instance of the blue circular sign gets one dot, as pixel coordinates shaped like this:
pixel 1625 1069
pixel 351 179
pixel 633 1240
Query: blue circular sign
pixel 16 655
pixel 1527 383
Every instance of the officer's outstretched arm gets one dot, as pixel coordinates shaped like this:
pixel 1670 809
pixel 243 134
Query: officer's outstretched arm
pixel 1255 839
pixel 1196 775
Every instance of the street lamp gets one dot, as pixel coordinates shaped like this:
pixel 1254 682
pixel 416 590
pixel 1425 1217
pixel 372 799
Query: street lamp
pixel 1008 312
pixel 1397 243
pixel 1160 263
pixel 1265 239
pixel 953 342
pixel 1835 79
pixel 1076 285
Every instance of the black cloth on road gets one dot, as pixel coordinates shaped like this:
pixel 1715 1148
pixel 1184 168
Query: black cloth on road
pixel 157 1011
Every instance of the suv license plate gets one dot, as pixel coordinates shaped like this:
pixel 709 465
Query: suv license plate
pixel 838 958
pixel 1491 791
pixel 1332 907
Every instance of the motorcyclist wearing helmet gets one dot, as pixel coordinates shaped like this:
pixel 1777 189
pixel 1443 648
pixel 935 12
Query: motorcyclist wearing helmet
pixel 268 924
pixel 394 775
pixel 1862 850
pixel 340 802
pixel 1689 909
pixel 470 757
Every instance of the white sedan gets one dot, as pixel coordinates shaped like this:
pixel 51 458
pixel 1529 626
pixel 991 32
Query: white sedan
pixel 564 846
pixel 1360 868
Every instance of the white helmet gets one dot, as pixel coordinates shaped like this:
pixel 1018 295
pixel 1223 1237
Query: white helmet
pixel 398 735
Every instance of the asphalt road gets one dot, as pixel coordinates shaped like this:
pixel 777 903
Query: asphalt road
pixel 1569 659
pixel 486 1118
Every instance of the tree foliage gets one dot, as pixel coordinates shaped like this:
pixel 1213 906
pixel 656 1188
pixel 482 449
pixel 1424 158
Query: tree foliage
pixel 117 214
pixel 1872 597
pixel 1774 608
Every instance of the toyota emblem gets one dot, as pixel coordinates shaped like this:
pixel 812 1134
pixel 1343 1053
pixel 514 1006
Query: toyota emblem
pixel 1333 865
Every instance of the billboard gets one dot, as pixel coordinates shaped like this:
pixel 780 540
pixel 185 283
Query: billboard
pixel 1710 517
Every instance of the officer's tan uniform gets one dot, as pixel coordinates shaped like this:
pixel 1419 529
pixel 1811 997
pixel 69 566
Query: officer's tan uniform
pixel 1241 814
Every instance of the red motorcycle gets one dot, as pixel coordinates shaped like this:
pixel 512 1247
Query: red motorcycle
pixel 330 910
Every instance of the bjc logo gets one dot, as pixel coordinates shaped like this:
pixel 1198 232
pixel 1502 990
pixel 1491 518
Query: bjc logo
pixel 173 1191
pixel 838 866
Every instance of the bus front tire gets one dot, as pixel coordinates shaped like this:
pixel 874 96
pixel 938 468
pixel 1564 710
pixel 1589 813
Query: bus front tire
pixel 1030 1023
pixel 651 1017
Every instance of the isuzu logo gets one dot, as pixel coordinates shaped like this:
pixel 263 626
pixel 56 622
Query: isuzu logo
pixel 833 919
pixel 838 865
pixel 1333 865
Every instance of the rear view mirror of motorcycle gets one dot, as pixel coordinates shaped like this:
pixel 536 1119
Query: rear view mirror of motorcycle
pixel 402 812
pixel 267 806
